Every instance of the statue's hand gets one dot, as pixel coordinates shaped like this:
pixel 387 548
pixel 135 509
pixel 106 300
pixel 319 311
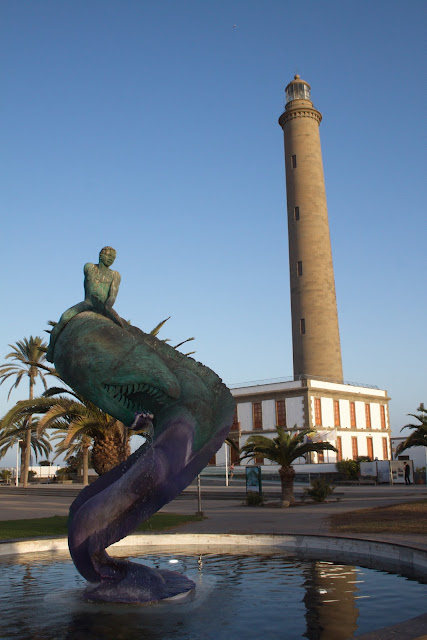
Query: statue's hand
pixel 143 426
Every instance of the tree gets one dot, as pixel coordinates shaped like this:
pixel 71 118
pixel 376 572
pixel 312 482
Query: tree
pixel 75 417
pixel 17 432
pixel 284 450
pixel 76 452
pixel 28 356
pixel 419 437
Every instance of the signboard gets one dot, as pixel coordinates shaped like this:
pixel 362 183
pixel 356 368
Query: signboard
pixel 253 479
pixel 383 471
pixel 398 471
pixel 368 469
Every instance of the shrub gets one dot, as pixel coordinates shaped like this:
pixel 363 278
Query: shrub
pixel 349 468
pixel 31 475
pixel 319 490
pixel 254 499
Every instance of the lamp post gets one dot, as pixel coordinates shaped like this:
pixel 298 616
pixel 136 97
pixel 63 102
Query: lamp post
pixel 17 462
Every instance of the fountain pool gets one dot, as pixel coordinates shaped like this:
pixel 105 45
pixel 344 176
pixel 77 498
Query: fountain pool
pixel 268 593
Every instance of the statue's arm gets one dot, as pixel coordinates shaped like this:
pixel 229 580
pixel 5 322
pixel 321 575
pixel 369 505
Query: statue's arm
pixel 86 270
pixel 114 289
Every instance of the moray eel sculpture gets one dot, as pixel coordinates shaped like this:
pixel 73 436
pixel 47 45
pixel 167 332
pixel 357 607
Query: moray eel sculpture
pixel 126 372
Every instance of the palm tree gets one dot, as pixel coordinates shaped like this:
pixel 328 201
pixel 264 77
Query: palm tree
pixel 28 356
pixel 284 450
pixel 17 432
pixel 419 436
pixel 80 418
pixel 78 447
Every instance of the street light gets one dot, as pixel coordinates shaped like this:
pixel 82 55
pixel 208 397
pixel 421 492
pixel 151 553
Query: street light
pixel 17 462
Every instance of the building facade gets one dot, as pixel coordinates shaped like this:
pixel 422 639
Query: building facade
pixel 355 419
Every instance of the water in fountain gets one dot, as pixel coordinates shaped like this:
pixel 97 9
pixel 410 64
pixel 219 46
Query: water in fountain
pixel 236 596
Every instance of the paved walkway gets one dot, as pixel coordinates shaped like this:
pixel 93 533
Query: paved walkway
pixel 228 515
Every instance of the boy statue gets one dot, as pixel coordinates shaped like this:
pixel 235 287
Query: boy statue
pixel 101 287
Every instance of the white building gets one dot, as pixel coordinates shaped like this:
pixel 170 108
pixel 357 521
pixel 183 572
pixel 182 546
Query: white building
pixel 352 417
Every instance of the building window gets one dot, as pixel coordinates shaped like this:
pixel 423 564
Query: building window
pixel 259 460
pixel 368 415
pixel 293 162
pixel 385 449
pixel 302 326
pixel 235 425
pixel 354 451
pixel 257 415
pixel 320 456
pixel 212 461
pixel 382 416
pixel 296 213
pixel 339 447
pixel 352 415
pixel 317 412
pixel 299 267
pixel 370 447
pixel 281 413
pixel 337 421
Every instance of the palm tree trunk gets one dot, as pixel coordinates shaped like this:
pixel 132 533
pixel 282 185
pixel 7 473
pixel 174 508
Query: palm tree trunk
pixel 86 465
pixel 25 469
pixel 287 475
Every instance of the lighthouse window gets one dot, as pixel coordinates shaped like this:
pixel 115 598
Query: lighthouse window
pixel 299 267
pixel 296 213
pixel 293 162
pixel 302 326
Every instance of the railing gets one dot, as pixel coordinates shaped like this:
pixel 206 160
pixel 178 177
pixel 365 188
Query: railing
pixel 302 376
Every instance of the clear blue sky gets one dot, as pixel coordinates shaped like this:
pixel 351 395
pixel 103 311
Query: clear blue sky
pixel 152 127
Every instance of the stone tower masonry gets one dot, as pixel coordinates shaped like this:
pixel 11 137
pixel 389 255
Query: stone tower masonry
pixel 315 331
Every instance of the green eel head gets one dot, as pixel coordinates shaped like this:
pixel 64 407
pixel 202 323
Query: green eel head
pixel 125 371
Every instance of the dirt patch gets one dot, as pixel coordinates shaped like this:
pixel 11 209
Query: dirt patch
pixel 410 517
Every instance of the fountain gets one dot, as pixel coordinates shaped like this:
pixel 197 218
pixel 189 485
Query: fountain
pixel 271 586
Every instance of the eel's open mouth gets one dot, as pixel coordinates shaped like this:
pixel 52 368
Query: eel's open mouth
pixel 140 397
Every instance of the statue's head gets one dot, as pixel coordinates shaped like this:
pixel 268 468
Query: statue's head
pixel 107 255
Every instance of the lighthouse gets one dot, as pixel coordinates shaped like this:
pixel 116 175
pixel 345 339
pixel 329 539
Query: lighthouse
pixel 315 330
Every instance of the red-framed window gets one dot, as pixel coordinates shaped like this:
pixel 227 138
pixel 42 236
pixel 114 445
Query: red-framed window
pixel 320 456
pixel 257 415
pixel 368 415
pixel 281 413
pixel 354 449
pixel 337 419
pixel 339 447
pixel 370 447
pixel 385 449
pixel 317 412
pixel 352 414
pixel 235 424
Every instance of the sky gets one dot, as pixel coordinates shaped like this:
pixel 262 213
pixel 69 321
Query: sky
pixel 152 127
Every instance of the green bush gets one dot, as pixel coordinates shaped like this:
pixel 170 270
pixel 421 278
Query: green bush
pixel 349 468
pixel 31 475
pixel 254 499
pixel 319 490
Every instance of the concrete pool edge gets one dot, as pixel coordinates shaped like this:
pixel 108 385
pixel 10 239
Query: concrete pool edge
pixel 381 555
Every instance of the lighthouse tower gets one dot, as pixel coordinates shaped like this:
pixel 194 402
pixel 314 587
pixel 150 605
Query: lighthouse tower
pixel 315 331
